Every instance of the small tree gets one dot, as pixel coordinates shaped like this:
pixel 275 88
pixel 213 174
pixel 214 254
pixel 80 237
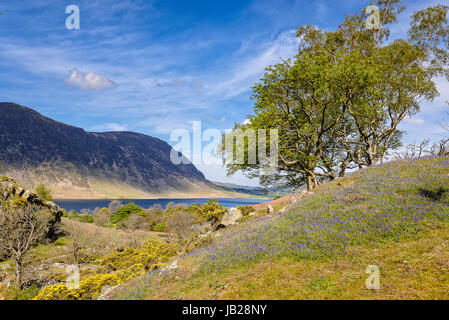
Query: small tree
pixel 114 205
pixel 132 225
pixel 180 224
pixel 124 212
pixel 21 229
pixel 43 192
pixel 82 237
pixel 101 217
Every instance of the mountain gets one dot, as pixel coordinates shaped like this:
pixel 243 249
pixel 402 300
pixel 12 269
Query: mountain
pixel 255 191
pixel 74 163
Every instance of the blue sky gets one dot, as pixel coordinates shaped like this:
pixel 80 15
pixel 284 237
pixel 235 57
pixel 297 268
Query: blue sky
pixel 155 66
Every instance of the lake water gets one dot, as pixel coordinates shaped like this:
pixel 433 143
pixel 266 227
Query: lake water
pixel 147 203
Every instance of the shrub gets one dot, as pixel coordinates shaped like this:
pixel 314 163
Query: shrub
pixel 160 227
pixel 90 288
pixel 246 210
pixel 210 211
pixel 44 193
pixel 124 212
pixel 5 179
pixel 152 255
pixel 14 293
pixel 118 268
pixel 86 218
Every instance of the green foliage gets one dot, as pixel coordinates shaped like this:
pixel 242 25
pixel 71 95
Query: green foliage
pixel 14 293
pixel 125 211
pixel 246 210
pixel 160 227
pixel 338 103
pixel 86 218
pixel 210 211
pixel 5 179
pixel 44 193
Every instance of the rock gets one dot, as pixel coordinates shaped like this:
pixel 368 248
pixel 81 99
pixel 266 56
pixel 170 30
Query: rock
pixel 231 217
pixel 345 184
pixel 205 235
pixel 106 291
pixel 11 191
pixel 252 213
pixel 170 268
pixel 270 209
pixel 203 227
pixel 298 195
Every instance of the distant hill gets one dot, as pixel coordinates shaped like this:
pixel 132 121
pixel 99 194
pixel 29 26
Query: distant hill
pixel 74 163
pixel 255 191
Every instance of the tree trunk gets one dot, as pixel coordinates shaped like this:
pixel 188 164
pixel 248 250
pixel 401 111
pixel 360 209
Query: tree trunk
pixel 19 274
pixel 311 180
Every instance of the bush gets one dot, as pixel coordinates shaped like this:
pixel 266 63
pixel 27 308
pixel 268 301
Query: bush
pixel 14 293
pixel 44 193
pixel 246 210
pixel 118 268
pixel 210 211
pixel 160 227
pixel 152 255
pixel 90 288
pixel 125 211
pixel 86 218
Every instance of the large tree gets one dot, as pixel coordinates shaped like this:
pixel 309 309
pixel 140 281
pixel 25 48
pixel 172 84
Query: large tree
pixel 22 227
pixel 339 102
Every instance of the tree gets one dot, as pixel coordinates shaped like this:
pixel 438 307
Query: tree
pixel 338 103
pixel 21 229
pixel 101 216
pixel 124 212
pixel 84 238
pixel 114 205
pixel 132 224
pixel 43 192
pixel 180 224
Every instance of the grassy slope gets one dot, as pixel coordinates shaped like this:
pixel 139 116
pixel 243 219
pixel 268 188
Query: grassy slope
pixel 394 216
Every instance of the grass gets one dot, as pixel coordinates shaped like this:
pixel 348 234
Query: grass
pixel 394 216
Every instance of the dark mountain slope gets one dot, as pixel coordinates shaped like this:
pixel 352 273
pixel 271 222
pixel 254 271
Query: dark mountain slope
pixel 35 147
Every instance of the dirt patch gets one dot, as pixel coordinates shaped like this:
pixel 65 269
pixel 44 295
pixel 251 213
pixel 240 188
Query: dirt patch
pixel 264 205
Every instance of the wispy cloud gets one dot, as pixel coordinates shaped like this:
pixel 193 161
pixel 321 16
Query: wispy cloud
pixel 414 121
pixel 89 80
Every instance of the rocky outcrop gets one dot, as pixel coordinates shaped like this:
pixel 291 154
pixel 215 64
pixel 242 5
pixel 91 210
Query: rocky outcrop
pixel 298 195
pixel 11 191
pixel 230 217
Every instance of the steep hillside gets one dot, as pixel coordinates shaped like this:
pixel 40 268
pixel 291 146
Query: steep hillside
pixel 394 217
pixel 78 164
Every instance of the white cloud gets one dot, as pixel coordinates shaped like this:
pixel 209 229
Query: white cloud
pixel 414 121
pixel 89 80
pixel 110 127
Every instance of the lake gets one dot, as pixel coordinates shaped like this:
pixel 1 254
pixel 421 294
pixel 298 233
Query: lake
pixel 78 205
